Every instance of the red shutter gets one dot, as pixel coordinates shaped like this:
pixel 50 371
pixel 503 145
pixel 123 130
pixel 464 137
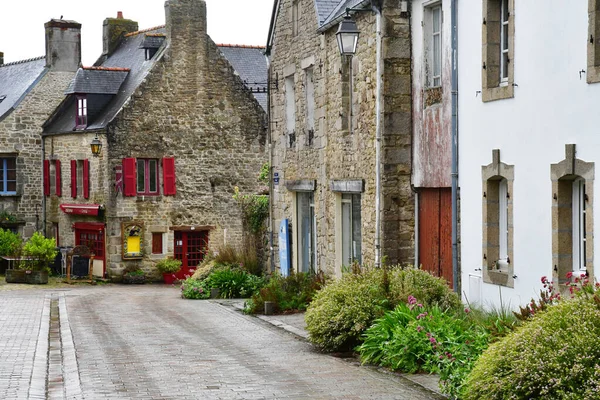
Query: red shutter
pixel 74 179
pixel 46 177
pixel 129 177
pixel 86 179
pixel 169 176
pixel 58 181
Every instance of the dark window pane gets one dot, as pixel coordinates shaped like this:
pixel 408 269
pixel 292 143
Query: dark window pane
pixel 152 169
pixel 141 187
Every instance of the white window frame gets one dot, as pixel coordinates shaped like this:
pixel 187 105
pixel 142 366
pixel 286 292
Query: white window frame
pixel 504 42
pixel 310 99
pixel 290 104
pixel 579 226
pixel 79 178
pixel 436 54
pixel 312 239
pixel 503 219
pixel 348 233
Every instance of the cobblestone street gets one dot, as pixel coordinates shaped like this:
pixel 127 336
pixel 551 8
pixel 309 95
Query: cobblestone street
pixel 145 342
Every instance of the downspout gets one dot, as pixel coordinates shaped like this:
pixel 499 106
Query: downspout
pixel 271 185
pixel 454 38
pixel 43 195
pixel 378 141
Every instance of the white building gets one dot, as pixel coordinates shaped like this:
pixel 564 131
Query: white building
pixel 529 142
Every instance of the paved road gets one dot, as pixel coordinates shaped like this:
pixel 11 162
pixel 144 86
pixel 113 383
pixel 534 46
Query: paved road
pixel 145 342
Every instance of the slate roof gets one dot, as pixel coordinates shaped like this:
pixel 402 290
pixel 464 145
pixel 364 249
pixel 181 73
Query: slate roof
pixel 152 41
pixel 324 8
pixel 97 80
pixel 250 63
pixel 16 80
pixel 339 11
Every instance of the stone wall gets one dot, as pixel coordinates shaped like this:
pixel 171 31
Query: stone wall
pixel 20 133
pixel 342 150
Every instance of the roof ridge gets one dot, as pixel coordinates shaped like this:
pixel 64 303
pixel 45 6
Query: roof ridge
pixel 145 30
pixel 244 46
pixel 23 61
pixel 117 69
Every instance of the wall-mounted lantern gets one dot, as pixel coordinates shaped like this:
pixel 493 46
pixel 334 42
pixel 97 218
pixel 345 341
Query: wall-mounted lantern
pixel 96 146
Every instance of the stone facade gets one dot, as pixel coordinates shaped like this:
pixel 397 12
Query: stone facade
pixel 21 128
pixel 343 145
pixel 193 107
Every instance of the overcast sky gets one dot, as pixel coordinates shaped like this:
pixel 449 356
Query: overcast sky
pixel 22 22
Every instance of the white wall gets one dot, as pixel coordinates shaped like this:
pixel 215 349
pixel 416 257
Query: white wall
pixel 552 107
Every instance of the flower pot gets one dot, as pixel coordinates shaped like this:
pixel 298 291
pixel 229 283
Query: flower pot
pixel 26 276
pixel 185 272
pixel 169 278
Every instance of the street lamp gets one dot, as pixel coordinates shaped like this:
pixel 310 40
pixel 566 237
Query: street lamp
pixel 96 146
pixel 347 36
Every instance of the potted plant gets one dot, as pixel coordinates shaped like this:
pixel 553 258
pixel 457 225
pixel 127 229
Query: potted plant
pixel 168 267
pixel 37 253
pixel 134 275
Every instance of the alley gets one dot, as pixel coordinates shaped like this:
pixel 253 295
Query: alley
pixel 147 343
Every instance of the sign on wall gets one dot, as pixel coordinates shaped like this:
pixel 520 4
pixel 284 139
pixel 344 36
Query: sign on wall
pixel 284 248
pixel 132 236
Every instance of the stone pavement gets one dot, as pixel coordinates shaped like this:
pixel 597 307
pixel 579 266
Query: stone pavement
pixel 145 342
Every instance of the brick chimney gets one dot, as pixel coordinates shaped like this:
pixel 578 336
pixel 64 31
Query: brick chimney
pixel 1 58
pixel 113 30
pixel 63 45
pixel 186 27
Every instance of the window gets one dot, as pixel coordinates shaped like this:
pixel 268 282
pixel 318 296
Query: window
pixel 497 260
pixel 147 176
pixel 579 228
pixel 290 109
pixel 8 175
pixel 157 243
pixel 310 105
pixel 306 231
pixel 80 178
pixel 149 53
pixel 295 18
pixel 498 49
pixel 433 37
pixel 81 119
pixel 351 234
pixel 593 42
pixel 52 177
pixel 572 216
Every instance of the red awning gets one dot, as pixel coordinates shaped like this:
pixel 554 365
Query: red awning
pixel 81 209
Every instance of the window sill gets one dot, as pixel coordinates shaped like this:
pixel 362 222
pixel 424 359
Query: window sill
pixel 593 74
pixel 499 277
pixel 10 195
pixel 498 93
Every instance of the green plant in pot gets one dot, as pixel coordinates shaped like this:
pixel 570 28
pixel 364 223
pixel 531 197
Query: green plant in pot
pixel 168 267
pixel 37 253
pixel 134 275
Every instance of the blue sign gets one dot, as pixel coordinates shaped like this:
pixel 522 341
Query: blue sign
pixel 284 248
pixel 276 178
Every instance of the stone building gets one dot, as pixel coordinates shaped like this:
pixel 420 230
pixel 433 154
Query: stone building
pixel 181 124
pixel 333 121
pixel 30 90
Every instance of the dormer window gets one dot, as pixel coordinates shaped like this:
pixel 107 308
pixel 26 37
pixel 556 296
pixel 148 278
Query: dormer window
pixel 151 44
pixel 81 118
pixel 150 53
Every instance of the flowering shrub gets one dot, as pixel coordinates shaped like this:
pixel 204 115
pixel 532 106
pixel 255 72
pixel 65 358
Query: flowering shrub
pixel 429 289
pixel 552 356
pixel 194 289
pixel 413 338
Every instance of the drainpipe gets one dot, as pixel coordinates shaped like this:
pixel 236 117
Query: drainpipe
pixel 454 38
pixel 43 196
pixel 378 142
pixel 271 185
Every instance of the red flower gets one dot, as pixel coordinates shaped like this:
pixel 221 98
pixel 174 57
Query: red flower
pixel 569 275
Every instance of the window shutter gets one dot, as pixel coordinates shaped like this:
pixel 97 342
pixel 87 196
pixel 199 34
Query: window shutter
pixel 74 179
pixel 46 177
pixel 58 181
pixel 169 176
pixel 86 179
pixel 129 175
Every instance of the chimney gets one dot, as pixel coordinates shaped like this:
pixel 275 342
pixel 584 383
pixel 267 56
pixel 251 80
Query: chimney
pixel 63 45
pixel 186 26
pixel 113 30
pixel 1 58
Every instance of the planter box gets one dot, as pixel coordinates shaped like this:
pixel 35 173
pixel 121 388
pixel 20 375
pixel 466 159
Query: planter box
pixel 23 276
pixel 169 278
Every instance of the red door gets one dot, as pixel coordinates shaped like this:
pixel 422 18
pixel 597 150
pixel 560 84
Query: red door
pixel 435 232
pixel 92 235
pixel 190 248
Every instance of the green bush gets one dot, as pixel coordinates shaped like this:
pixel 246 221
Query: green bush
pixel 39 252
pixel 205 269
pixel 233 283
pixel 552 356
pixel 293 292
pixel 342 310
pixel 168 265
pixel 194 289
pixel 10 243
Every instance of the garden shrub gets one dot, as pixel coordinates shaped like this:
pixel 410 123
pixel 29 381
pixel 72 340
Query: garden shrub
pixel 552 356
pixel 342 310
pixel 428 289
pixel 205 269
pixel 233 283
pixel 194 289
pixel 10 243
pixel 293 292
pixel 39 252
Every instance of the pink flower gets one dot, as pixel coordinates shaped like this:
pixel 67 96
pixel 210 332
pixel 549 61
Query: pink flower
pixel 467 310
pixel 432 340
pixel 412 300
pixel 544 279
pixel 419 328
pixel 569 275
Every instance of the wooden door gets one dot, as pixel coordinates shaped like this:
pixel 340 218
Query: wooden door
pixel 435 232
pixel 190 247
pixel 92 235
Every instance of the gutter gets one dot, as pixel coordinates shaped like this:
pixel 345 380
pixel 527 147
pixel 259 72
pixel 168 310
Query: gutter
pixel 272 27
pixel 454 39
pixel 379 86
pixel 271 183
